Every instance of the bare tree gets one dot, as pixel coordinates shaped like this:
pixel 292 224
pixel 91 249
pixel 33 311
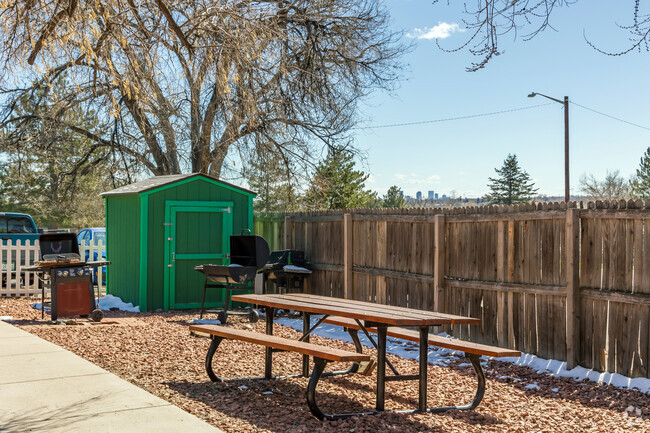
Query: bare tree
pixel 613 187
pixel 181 84
pixel 490 20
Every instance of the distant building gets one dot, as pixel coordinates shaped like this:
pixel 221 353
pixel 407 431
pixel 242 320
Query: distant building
pixel 430 197
pixel 444 197
pixel 408 197
pixel 435 196
pixel 418 195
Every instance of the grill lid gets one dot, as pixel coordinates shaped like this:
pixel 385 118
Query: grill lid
pixel 58 244
pixel 249 250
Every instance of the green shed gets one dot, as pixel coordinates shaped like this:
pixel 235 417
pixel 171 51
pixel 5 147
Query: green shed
pixel 159 229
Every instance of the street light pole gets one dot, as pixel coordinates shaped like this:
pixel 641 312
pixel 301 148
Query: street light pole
pixel 564 102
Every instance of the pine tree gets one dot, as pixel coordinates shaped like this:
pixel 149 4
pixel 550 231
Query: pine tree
pixel 337 185
pixel 641 182
pixel 394 198
pixel 513 184
pixel 271 178
pixel 48 171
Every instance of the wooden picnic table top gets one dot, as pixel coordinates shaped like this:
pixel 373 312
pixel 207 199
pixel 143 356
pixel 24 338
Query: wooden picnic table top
pixel 367 311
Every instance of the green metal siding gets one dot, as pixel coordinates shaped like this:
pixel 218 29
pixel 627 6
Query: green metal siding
pixel 196 189
pixel 123 247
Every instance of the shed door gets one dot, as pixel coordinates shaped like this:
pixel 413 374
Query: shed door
pixel 197 234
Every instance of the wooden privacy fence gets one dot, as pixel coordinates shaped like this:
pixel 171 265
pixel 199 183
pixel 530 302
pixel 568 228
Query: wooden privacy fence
pixel 569 284
pixel 17 282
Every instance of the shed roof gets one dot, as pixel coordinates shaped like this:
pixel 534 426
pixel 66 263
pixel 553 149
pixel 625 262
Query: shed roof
pixel 156 182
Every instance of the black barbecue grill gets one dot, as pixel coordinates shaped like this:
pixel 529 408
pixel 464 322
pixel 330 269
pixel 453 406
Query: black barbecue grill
pixel 248 253
pixel 70 278
pixel 287 269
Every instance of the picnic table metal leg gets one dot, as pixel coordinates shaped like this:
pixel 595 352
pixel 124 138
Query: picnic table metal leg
pixel 208 359
pixel 381 368
pixel 480 389
pixel 355 365
pixel 374 343
pixel 268 359
pixel 205 287
pixel 306 325
pixel 319 367
pixel 424 347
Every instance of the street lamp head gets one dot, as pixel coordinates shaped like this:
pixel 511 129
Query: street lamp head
pixel 532 95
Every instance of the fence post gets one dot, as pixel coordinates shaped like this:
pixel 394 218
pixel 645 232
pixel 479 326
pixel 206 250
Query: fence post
pixel 501 276
pixel 572 287
pixel 288 225
pixel 510 277
pixel 348 247
pixel 439 263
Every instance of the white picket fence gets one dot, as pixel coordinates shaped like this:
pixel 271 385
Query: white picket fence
pixel 17 282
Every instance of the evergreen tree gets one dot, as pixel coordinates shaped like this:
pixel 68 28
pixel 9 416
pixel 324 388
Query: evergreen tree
pixel 394 198
pixel 270 176
pixel 47 171
pixel 641 182
pixel 513 185
pixel 337 185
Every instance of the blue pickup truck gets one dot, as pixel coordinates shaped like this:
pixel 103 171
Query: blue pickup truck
pixel 17 226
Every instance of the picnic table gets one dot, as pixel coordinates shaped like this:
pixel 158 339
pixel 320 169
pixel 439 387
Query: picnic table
pixel 366 315
pixel 354 316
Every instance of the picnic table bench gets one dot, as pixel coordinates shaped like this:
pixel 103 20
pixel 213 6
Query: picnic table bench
pixel 320 354
pixel 472 351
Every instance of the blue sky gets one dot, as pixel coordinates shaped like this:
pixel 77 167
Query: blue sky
pixel 460 155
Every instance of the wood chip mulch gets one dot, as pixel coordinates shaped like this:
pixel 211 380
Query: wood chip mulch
pixel 156 352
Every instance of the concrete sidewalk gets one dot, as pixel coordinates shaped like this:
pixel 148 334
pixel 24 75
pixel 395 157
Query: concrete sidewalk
pixel 45 388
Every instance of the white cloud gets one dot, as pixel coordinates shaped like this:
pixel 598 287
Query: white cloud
pixel 441 31
pixel 416 179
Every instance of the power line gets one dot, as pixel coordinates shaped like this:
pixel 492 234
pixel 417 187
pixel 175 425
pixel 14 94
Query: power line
pixel 611 117
pixel 493 113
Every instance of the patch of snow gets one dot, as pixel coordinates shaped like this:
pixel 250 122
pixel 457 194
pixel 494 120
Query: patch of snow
pixel 37 305
pixel 555 389
pixel 509 377
pixel 110 301
pixel 6 318
pixel 533 385
pixel 243 387
pixel 267 393
pixel 205 322
pixel 557 368
pixel 294 268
